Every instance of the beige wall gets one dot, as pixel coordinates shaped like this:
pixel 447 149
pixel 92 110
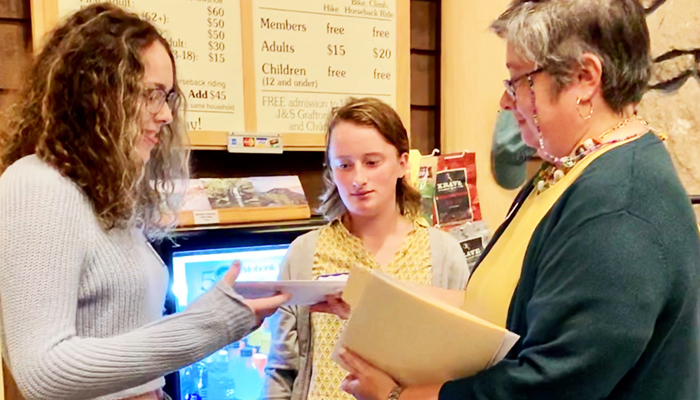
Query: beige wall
pixel 473 69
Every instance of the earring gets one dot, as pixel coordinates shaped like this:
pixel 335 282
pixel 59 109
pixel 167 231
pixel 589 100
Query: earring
pixel 578 105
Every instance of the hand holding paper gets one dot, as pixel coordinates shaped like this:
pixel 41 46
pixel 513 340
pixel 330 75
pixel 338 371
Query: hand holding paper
pixel 263 307
pixel 334 304
pixel 365 382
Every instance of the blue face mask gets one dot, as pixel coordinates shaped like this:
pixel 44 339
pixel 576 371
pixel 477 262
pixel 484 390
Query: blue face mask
pixel 509 153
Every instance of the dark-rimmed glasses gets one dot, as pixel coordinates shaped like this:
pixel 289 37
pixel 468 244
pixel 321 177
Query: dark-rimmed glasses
pixel 157 97
pixel 509 84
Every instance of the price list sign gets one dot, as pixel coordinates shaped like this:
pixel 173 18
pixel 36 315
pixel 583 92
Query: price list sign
pixel 312 55
pixel 205 36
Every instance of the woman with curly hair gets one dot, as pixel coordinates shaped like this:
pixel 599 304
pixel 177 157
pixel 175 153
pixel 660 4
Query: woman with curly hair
pixel 94 146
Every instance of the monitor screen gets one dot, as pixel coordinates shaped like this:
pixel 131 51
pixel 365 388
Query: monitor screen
pixel 195 272
pixel 237 370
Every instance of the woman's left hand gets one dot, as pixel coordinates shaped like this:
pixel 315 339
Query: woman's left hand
pixel 365 382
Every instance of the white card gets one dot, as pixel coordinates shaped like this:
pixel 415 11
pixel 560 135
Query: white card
pixel 304 293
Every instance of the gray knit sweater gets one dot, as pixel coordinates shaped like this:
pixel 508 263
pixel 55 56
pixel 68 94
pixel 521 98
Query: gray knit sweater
pixel 81 308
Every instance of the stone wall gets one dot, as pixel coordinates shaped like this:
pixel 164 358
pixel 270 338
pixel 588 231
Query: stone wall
pixel 673 103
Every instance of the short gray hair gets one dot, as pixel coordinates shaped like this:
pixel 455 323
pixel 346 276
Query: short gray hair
pixel 555 33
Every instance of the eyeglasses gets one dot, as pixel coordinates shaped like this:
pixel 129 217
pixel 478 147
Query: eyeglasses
pixel 510 83
pixel 157 97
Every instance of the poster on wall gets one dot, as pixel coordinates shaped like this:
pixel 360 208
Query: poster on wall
pixel 310 56
pixel 273 66
pixel 206 41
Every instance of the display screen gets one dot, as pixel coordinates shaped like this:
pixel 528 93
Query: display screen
pixel 194 272
pixel 237 371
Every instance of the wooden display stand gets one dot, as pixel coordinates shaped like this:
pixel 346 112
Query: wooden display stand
pixel 251 214
pixel 369 68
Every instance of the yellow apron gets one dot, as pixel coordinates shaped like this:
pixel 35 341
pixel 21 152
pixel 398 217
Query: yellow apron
pixel 493 284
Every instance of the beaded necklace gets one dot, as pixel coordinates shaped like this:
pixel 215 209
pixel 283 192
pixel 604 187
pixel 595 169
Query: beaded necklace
pixel 551 173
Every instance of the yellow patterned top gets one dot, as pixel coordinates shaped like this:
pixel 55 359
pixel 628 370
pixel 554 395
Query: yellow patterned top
pixel 336 251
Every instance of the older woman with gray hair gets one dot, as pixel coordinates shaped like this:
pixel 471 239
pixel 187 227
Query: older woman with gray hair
pixel 597 266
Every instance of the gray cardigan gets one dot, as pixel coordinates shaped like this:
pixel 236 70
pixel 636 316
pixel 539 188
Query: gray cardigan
pixel 81 308
pixel 288 371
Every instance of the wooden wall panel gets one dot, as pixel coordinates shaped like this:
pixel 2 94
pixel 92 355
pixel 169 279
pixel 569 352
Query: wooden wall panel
pixel 425 75
pixel 424 17
pixel 14 9
pixel 423 140
pixel 15 36
pixel 423 80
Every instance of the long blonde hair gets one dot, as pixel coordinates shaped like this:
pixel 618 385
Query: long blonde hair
pixel 80 113
pixel 380 116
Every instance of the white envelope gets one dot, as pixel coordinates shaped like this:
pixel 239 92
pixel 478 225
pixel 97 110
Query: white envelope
pixel 304 293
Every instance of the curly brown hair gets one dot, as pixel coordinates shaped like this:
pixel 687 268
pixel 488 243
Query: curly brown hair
pixel 79 112
pixel 374 113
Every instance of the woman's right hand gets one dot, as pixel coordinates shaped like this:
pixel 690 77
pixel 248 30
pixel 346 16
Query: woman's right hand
pixel 262 307
pixel 334 304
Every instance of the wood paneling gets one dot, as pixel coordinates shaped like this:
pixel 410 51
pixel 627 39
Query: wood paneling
pixel 424 140
pixel 424 17
pixel 425 74
pixel 15 9
pixel 423 80
pixel 15 38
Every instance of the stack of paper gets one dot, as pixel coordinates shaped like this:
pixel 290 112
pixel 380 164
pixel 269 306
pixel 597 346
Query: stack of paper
pixel 417 334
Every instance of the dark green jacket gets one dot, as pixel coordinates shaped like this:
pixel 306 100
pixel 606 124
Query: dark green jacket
pixel 607 305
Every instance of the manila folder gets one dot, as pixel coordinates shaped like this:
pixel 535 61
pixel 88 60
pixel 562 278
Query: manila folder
pixel 414 337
